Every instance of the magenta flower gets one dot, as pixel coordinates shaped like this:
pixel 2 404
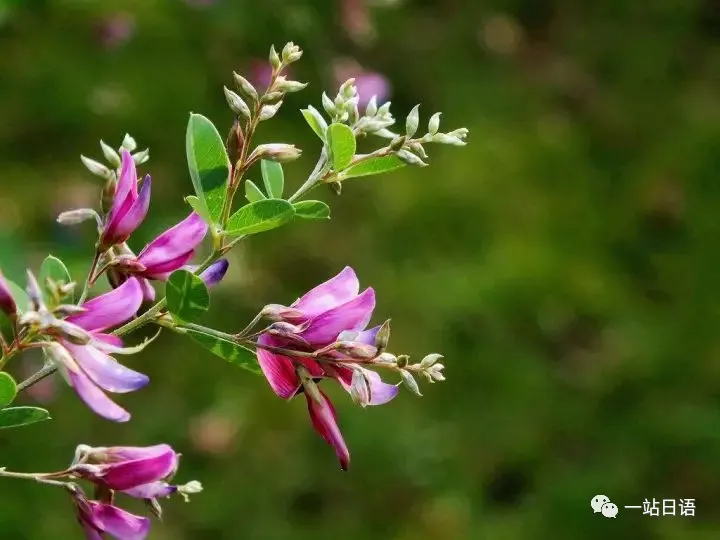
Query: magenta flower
pixel 129 207
pixel 98 519
pixel 89 368
pixel 7 302
pixel 328 313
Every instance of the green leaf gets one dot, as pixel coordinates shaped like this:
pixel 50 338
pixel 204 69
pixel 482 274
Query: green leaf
pixel 273 178
pixel 342 145
pixel 197 205
pixel 260 216
pixel 312 210
pixel 8 389
pixel 55 269
pixel 22 416
pixel 187 295
pixel 373 165
pixel 208 163
pixel 232 352
pixel 252 192
pixel 313 118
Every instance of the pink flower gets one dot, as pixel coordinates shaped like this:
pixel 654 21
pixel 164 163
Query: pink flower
pixel 89 368
pixel 129 207
pixel 98 519
pixel 327 314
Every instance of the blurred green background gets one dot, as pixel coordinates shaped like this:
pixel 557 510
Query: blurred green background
pixel 564 262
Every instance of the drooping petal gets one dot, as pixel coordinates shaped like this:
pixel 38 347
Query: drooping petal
pixel 278 370
pixel 175 242
pixel 153 490
pixel 131 474
pixel 380 392
pixel 334 292
pixel 116 522
pixel 215 272
pixel 125 222
pixel 96 398
pixel 352 315
pixel 110 309
pixel 105 371
pixel 324 420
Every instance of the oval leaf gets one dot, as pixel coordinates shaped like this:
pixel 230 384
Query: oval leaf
pixel 260 216
pixel 252 192
pixel 312 117
pixel 22 416
pixel 187 295
pixel 208 163
pixel 54 269
pixel 312 210
pixel 273 178
pixel 232 352
pixel 342 145
pixel 8 389
pixel 373 165
pixel 199 207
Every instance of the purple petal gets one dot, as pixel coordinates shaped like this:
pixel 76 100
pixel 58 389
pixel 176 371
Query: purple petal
pixel 116 522
pixel 105 371
pixel 110 309
pixel 175 242
pixel 147 289
pixel 368 336
pixel 100 340
pixel 152 490
pixel 215 272
pixel 334 292
pixel 125 222
pixel 380 392
pixel 112 454
pixel 7 302
pixel 162 270
pixel 90 532
pixel 95 398
pixel 131 474
pixel 324 420
pixel 126 186
pixel 278 370
pixel 352 315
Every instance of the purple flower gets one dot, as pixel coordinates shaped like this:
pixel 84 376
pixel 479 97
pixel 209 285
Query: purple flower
pixel 98 519
pixel 129 207
pixel 7 302
pixel 324 316
pixel 89 368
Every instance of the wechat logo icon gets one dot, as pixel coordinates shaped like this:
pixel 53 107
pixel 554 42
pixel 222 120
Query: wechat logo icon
pixel 602 504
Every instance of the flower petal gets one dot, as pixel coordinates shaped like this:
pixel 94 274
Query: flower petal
pixel 96 398
pixel 131 474
pixel 147 289
pixel 110 309
pixel 380 392
pixel 278 370
pixel 324 420
pixel 334 292
pixel 175 242
pixel 162 270
pixel 100 340
pixel 105 371
pixel 125 222
pixel 215 272
pixel 368 336
pixel 116 522
pixel 126 186
pixel 152 490
pixel 352 315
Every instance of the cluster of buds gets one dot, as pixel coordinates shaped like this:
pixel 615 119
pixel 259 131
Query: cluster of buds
pixel 112 157
pixel 344 108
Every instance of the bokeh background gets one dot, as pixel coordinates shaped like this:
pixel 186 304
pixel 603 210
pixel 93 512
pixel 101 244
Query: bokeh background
pixel 565 262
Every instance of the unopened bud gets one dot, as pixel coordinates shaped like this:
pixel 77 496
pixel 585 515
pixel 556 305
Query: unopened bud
pixel 347 89
pixel 245 87
pixel 291 53
pixel 274 58
pixel 387 359
pixel 66 289
pixel 435 372
pixel 434 123
pixel 360 388
pixel 268 111
pixel 65 310
pixel 73 217
pixel 402 360
pixel 271 97
pixel 417 149
pixel 96 168
pixel 279 152
pixel 328 105
pixel 129 143
pixel 283 85
pixel 410 382
pixel 383 336
pixel 110 154
pixel 410 158
pixel 397 143
pixel 236 104
pixel 191 488
pixel 371 108
pixel 7 302
pixel 141 157
pixel 429 360
pixel 34 291
pixel 356 350
pixel 276 312
pixel 412 121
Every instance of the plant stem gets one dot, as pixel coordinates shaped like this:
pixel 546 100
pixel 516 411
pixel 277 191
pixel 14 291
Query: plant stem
pixel 90 276
pixel 210 331
pixel 38 477
pixel 314 177
pixel 36 377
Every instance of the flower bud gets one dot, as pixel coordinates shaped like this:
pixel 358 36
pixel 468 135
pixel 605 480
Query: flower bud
pixel 7 302
pixel 412 121
pixel 279 152
pixel 34 291
pixel 291 53
pixel 110 154
pixel 129 143
pixel 410 382
pixel 268 111
pixel 360 388
pixel 402 360
pixel 71 332
pixel 434 123
pixel 283 85
pixel 347 89
pixel 271 97
pixel 383 336
pixel 73 217
pixel 244 86
pixel 328 105
pixel 435 372
pixel 387 359
pixel 356 350
pixel 429 360
pixel 236 103
pixel 410 158
pixel 141 157
pixel 276 312
pixel 418 149
pixel 274 58
pixel 371 108
pixel 397 143
pixel 96 168
pixel 191 488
